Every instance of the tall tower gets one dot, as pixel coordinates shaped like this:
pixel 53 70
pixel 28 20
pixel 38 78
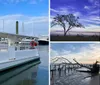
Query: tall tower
pixel 17 31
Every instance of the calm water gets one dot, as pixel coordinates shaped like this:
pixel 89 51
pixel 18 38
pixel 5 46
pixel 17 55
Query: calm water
pixel 73 77
pixel 29 74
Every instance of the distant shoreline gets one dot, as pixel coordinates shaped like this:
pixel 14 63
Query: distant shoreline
pixel 75 33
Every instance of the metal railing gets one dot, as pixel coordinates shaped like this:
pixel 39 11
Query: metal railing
pixel 3 46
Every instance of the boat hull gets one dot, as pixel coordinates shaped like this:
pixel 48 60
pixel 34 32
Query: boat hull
pixel 15 63
pixel 41 42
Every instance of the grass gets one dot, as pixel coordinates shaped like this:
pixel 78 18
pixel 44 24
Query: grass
pixel 74 38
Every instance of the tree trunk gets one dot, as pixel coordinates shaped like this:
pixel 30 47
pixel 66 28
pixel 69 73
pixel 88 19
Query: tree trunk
pixel 68 30
pixel 82 65
pixel 64 31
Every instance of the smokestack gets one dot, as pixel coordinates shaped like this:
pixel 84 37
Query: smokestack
pixel 16 27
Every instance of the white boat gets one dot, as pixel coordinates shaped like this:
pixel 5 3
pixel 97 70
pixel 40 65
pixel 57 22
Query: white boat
pixel 16 50
pixel 43 40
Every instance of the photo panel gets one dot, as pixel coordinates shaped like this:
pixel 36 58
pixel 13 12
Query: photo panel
pixel 24 42
pixel 75 63
pixel 74 20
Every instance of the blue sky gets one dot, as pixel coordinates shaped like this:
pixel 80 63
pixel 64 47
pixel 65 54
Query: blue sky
pixel 87 10
pixel 83 52
pixel 27 11
pixel 26 7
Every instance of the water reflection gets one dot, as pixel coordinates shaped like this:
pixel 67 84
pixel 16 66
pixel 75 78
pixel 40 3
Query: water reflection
pixel 44 55
pixel 23 75
pixel 73 77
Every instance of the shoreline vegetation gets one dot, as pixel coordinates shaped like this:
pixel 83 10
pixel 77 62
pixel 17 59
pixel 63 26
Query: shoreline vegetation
pixel 74 38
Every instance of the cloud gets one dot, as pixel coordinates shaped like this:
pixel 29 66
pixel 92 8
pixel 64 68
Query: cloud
pixel 61 10
pixel 14 17
pixel 66 10
pixel 53 53
pixel 32 25
pixel 86 54
pixel 91 53
pixel 95 3
pixel 53 10
pixel 95 12
pixel 91 24
pixel 24 18
pixel 91 1
pixel 77 14
pixel 64 52
pixel 87 7
pixel 90 28
pixel 91 21
pixel 95 18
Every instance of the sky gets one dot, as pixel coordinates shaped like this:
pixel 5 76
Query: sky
pixel 31 14
pixel 86 53
pixel 87 10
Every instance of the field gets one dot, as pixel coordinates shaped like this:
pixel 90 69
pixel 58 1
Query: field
pixel 74 38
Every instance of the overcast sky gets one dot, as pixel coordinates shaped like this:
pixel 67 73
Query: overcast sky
pixel 34 14
pixel 87 10
pixel 82 52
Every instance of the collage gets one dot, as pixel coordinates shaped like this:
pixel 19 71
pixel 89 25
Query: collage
pixel 49 42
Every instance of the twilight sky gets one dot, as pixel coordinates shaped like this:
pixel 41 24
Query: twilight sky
pixel 87 10
pixel 82 52
pixel 34 14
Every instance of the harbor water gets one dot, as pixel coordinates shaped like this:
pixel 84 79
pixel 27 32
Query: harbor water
pixel 73 77
pixel 33 73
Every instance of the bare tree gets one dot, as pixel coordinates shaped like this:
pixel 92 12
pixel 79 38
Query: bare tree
pixel 94 69
pixel 69 19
